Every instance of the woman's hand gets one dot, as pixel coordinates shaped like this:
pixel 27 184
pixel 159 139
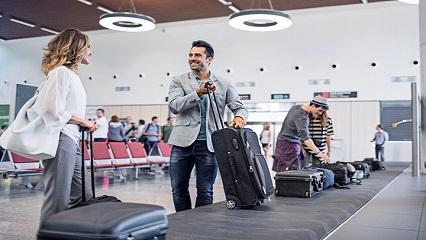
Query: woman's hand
pixel 89 126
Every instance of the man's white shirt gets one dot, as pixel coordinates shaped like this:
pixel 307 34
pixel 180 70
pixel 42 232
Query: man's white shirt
pixel 102 131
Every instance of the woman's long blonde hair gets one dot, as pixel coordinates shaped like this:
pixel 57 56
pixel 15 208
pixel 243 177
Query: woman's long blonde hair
pixel 324 119
pixel 66 49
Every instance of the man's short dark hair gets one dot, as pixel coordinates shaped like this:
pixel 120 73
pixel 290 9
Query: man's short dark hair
pixel 100 109
pixel 209 49
pixel 141 122
pixel 153 118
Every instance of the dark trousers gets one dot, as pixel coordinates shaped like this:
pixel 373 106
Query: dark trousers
pixel 310 160
pixel 148 145
pixel 380 152
pixel 287 156
pixel 182 161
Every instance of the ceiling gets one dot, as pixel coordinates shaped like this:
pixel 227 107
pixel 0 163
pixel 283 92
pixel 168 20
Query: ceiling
pixel 62 14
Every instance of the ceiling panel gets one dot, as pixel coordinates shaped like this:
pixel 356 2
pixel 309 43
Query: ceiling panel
pixel 62 14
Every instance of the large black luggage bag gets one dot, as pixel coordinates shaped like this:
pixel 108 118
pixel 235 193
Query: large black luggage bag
pixel 107 220
pixel 298 183
pixel 244 171
pixel 252 140
pixel 245 176
pixel 340 171
pixel 105 217
pixel 362 166
pixel 375 164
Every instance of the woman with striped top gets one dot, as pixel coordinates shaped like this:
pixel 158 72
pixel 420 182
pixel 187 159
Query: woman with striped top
pixel 320 131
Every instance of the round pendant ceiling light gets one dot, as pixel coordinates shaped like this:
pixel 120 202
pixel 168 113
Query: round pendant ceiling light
pixel 260 20
pixel 127 22
pixel 410 1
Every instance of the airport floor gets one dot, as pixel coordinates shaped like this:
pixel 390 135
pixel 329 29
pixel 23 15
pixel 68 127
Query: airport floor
pixel 397 212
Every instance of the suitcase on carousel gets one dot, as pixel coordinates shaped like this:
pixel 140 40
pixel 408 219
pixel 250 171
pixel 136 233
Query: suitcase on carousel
pixel 246 181
pixel 244 171
pixel 105 217
pixel 362 166
pixel 298 183
pixel 375 164
pixel 340 171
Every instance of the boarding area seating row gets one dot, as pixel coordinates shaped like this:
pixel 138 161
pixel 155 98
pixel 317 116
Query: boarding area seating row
pixel 107 156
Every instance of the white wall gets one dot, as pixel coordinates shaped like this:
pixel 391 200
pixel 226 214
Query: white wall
pixel 351 36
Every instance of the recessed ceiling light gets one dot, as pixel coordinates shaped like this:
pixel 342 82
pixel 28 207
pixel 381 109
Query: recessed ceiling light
pixel 233 8
pixel 103 9
pixel 224 2
pixel 22 22
pixel 260 20
pixel 410 1
pixel 49 30
pixel 85 2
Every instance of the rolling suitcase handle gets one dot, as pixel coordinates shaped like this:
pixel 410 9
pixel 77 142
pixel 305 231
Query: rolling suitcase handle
pixel 206 85
pixel 83 167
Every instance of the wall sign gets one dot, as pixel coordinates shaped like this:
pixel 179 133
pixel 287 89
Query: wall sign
pixel 280 96
pixel 341 94
pixel 245 96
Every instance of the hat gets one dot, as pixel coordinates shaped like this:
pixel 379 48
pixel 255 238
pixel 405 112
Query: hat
pixel 320 101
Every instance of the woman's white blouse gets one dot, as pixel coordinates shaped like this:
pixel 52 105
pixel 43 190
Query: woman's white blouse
pixel 61 96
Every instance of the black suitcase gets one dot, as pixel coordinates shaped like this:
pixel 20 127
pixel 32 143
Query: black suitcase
pixel 245 174
pixel 375 165
pixel 298 183
pixel 107 220
pixel 105 217
pixel 340 171
pixel 359 165
pixel 252 140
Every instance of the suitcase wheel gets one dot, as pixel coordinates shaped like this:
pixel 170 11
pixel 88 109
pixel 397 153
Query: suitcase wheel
pixel 276 192
pixel 230 204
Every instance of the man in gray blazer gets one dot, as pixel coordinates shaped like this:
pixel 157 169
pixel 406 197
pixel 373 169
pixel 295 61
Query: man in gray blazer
pixel 191 136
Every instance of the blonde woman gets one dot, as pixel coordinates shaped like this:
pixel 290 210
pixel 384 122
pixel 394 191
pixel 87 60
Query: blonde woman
pixel 266 138
pixel 62 103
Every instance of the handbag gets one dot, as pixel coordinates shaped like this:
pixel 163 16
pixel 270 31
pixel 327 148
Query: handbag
pixel 28 134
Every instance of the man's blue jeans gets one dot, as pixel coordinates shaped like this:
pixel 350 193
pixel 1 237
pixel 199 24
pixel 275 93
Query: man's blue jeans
pixel 182 162
pixel 380 152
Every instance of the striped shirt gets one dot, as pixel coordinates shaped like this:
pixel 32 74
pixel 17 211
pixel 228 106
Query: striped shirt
pixel 319 134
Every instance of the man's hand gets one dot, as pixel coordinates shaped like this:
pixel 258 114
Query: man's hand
pixel 203 90
pixel 238 122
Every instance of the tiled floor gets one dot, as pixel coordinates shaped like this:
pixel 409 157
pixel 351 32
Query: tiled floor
pixel 20 206
pixel 397 213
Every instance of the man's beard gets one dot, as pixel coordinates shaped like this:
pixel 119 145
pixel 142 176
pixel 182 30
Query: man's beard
pixel 199 67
